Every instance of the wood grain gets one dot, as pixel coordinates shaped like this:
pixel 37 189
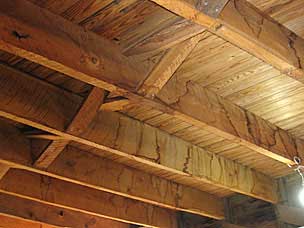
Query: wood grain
pixel 37 213
pixel 168 64
pixel 154 148
pixel 83 168
pixel 229 120
pixel 80 121
pixel 62 194
pixel 243 25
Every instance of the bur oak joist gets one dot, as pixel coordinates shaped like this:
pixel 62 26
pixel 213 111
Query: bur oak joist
pixel 110 132
pixel 96 61
pixel 86 200
pixel 83 168
pixel 40 213
pixel 245 26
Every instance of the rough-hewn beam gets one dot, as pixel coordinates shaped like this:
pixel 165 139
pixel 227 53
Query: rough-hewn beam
pixel 169 63
pixel 245 26
pixel 90 170
pixel 23 23
pixel 114 104
pixel 86 200
pixel 57 216
pixel 230 121
pixel 96 61
pixel 146 145
pixel 79 123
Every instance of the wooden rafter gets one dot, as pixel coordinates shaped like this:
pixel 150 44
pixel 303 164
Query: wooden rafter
pixel 109 132
pixel 81 167
pixel 169 63
pixel 245 26
pixel 97 61
pixel 38 212
pixel 75 197
pixel 79 123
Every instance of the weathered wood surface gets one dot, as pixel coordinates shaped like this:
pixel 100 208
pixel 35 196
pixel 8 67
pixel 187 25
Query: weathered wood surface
pixel 14 222
pixel 246 27
pixel 229 120
pixel 37 213
pixel 86 200
pixel 74 66
pixel 3 170
pixel 79 123
pixel 86 169
pixel 147 145
pixel 168 64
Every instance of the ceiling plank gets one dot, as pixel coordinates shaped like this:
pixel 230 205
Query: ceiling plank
pixel 80 122
pixel 222 117
pixel 83 168
pixel 62 194
pixel 245 26
pixel 38 213
pixel 88 60
pixel 169 63
pixel 148 146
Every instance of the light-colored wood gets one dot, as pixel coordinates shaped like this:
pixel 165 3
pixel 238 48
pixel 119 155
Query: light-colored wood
pixel 243 25
pixel 230 121
pixel 39 214
pixel 169 63
pixel 115 105
pixel 79 123
pixel 95 55
pixel 3 170
pixel 75 197
pixel 83 168
pixel 121 84
pixel 146 145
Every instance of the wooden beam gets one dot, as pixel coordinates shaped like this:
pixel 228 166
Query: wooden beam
pixel 38 213
pixel 79 123
pixel 14 222
pixel 147 145
pixel 115 104
pixel 88 60
pixel 245 26
pixel 169 63
pixel 222 117
pixel 3 170
pixel 75 197
pixel 90 170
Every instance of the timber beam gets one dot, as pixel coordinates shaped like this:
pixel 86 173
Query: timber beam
pixel 97 61
pixel 109 132
pixel 60 193
pixel 244 25
pixel 40 213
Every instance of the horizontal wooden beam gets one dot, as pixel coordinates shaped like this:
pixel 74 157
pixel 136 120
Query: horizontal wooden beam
pixel 248 28
pixel 81 167
pixel 14 222
pixel 96 61
pixel 75 197
pixel 80 122
pixel 147 145
pixel 38 213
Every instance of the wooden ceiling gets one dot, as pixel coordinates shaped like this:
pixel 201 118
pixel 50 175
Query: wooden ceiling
pixel 138 98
